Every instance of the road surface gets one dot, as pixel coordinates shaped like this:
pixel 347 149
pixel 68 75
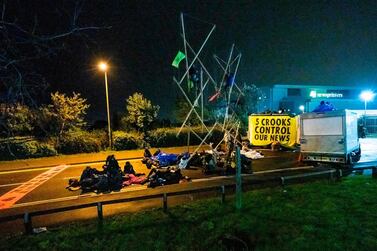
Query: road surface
pixel 53 188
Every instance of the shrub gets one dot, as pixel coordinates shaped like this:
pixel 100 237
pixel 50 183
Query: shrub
pixel 16 119
pixel 62 115
pixel 80 142
pixel 141 113
pixel 25 147
pixel 102 136
pixel 124 141
pixel 46 149
pixel 164 137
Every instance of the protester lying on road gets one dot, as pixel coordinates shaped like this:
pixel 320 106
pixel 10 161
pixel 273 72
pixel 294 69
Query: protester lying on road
pixel 168 176
pixel 219 163
pixel 161 159
pixel 251 154
pixel 130 179
pixel 111 178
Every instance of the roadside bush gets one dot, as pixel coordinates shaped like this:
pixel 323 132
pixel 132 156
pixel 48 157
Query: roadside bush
pixel 45 150
pixel 127 140
pixel 165 137
pixel 80 142
pixel 102 136
pixel 25 147
pixel 16 119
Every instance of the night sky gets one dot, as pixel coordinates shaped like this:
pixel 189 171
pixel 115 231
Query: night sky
pixel 304 42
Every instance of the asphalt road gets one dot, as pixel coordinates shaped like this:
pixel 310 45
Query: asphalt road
pixel 54 188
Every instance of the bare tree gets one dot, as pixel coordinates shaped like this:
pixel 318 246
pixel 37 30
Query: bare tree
pixel 24 44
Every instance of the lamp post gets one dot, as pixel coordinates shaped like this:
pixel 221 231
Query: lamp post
pixel 302 108
pixel 102 66
pixel 366 96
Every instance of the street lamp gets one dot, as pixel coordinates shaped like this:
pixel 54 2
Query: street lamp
pixel 366 96
pixel 302 108
pixel 102 66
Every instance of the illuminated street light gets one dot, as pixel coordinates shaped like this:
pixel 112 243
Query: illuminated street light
pixel 102 66
pixel 302 108
pixel 366 96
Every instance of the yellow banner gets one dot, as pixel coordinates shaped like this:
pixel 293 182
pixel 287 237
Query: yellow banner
pixel 266 129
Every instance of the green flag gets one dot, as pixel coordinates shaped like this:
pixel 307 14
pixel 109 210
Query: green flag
pixel 178 58
pixel 190 85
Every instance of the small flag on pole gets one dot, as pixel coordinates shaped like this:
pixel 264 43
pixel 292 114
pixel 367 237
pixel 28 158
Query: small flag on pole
pixel 214 97
pixel 190 85
pixel 178 58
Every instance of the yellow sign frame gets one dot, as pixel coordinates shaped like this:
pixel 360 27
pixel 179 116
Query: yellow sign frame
pixel 267 129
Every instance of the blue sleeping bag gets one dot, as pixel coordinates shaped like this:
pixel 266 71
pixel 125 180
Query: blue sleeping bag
pixel 166 159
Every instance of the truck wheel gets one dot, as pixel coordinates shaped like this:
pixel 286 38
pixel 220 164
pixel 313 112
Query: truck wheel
pixel 356 156
pixel 349 159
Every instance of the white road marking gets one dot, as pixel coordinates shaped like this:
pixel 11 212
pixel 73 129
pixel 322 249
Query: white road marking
pixel 13 184
pixel 10 198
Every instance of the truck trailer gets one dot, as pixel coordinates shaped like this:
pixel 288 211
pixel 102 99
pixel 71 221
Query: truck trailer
pixel 329 137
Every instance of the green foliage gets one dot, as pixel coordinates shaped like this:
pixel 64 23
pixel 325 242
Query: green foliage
pixel 16 119
pixel 79 141
pixel 253 95
pixel 182 109
pixel 248 103
pixel 25 147
pixel 140 112
pixel 126 141
pixel 314 216
pixel 45 150
pixel 125 124
pixel 164 137
pixel 63 114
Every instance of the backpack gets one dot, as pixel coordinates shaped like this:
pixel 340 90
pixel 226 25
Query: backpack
pixel 102 184
pixel 87 184
pixel 88 173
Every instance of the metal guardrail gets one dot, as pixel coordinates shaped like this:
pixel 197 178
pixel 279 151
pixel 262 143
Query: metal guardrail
pixel 27 217
pixel 312 174
pixel 358 168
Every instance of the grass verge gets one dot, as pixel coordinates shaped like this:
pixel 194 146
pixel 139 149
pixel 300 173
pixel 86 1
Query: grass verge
pixel 313 216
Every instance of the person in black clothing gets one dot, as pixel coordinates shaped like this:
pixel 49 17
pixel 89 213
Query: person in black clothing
pixel 129 169
pixel 165 177
pixel 113 173
pixel 147 153
pixel 110 179
pixel 147 159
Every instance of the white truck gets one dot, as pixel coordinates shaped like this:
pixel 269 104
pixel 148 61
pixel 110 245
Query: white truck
pixel 329 137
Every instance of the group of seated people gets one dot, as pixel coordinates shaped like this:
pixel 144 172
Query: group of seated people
pixel 165 169
pixel 112 178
